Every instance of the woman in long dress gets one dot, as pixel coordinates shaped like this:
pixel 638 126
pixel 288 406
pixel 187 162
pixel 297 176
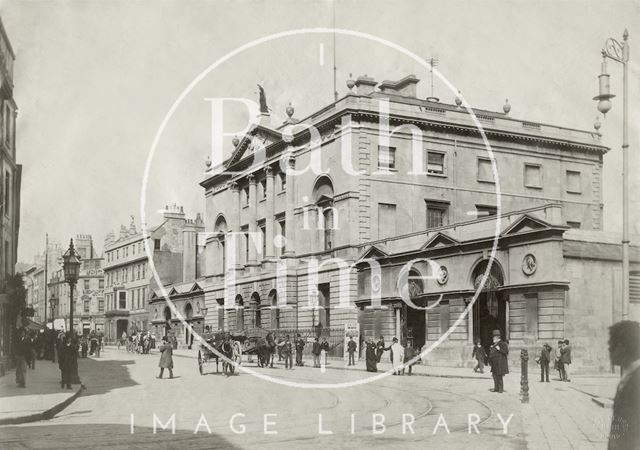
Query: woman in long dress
pixel 398 356
pixel 371 356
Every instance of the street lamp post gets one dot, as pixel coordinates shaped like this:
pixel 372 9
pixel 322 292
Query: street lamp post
pixel 71 267
pixel 619 52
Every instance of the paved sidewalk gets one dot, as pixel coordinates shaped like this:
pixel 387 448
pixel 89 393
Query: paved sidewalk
pixel 41 399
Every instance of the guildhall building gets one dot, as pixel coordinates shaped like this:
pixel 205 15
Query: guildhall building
pixel 382 197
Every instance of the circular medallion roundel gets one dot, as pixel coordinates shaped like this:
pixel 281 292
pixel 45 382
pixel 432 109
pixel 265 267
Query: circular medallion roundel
pixel 443 275
pixel 375 283
pixel 529 264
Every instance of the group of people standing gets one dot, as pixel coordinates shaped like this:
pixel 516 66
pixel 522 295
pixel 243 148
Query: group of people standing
pixel 401 357
pixel 561 358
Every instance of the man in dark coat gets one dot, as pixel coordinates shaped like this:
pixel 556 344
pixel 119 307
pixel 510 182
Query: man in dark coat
pixel 287 353
pixel 498 359
pixel 351 350
pixel 67 359
pixel 624 350
pixel 315 351
pixel 22 354
pixel 299 349
pixel 565 359
pixel 544 359
pixel 166 357
pixel 370 355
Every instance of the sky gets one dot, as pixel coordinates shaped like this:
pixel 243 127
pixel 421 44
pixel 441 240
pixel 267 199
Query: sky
pixel 95 79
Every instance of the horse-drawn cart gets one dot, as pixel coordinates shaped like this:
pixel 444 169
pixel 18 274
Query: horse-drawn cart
pixel 217 346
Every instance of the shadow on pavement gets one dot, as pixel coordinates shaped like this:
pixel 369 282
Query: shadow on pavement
pixel 106 436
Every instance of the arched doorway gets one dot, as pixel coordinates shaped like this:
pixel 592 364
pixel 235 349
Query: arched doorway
pixel 167 320
pixel 490 309
pixel 188 315
pixel 414 327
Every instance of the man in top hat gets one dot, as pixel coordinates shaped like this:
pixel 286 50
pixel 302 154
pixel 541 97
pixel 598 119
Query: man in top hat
pixel 498 359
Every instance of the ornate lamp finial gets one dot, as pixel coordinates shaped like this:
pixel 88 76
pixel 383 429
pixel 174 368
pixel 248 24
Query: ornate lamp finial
pixel 459 99
pixel 289 110
pixel 597 124
pixel 506 107
pixel 235 141
pixel 351 82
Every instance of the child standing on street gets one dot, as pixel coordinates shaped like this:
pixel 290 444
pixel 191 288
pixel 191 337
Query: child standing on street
pixel 480 355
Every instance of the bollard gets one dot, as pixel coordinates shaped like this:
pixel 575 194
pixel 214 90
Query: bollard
pixel 524 377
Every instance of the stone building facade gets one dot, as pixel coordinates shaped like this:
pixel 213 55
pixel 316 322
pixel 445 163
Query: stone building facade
pixel 129 281
pixel 384 178
pixel 10 182
pixel 88 295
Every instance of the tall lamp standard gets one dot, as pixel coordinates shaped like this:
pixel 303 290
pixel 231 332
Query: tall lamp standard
pixel 619 52
pixel 71 267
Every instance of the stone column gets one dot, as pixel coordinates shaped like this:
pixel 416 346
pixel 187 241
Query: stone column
pixel 269 214
pixel 235 222
pixel 290 225
pixel 253 224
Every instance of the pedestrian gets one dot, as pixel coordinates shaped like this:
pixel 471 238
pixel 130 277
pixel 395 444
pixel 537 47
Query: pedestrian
pixel 123 339
pixel 351 349
pixel 22 354
pixel 498 358
pixel 84 346
pixel 166 357
pixel 565 357
pixel 480 355
pixel 397 355
pixel 33 349
pixel 94 348
pixel 300 343
pixel 558 362
pixel 280 341
pixel 624 351
pixel 380 347
pixel 315 351
pixel 67 359
pixel 324 351
pixel 544 359
pixel 371 357
pixel 409 354
pixel 287 352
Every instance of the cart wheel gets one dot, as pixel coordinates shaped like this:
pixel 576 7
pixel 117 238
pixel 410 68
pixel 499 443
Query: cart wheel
pixel 200 363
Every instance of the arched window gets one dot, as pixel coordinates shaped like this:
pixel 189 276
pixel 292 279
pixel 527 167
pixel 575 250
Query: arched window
pixel 220 229
pixel 256 317
pixel 323 196
pixel 239 313
pixel 188 311
pixel 275 311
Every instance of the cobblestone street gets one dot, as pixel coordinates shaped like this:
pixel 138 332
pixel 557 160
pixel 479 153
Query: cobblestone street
pixel 122 385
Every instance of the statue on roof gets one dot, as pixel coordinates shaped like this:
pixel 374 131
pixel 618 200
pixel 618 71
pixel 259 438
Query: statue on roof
pixel 264 109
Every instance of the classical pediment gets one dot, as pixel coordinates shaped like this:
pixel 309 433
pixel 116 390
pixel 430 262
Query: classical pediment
pixel 372 252
pixel 526 224
pixel 439 240
pixel 257 139
pixel 195 288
